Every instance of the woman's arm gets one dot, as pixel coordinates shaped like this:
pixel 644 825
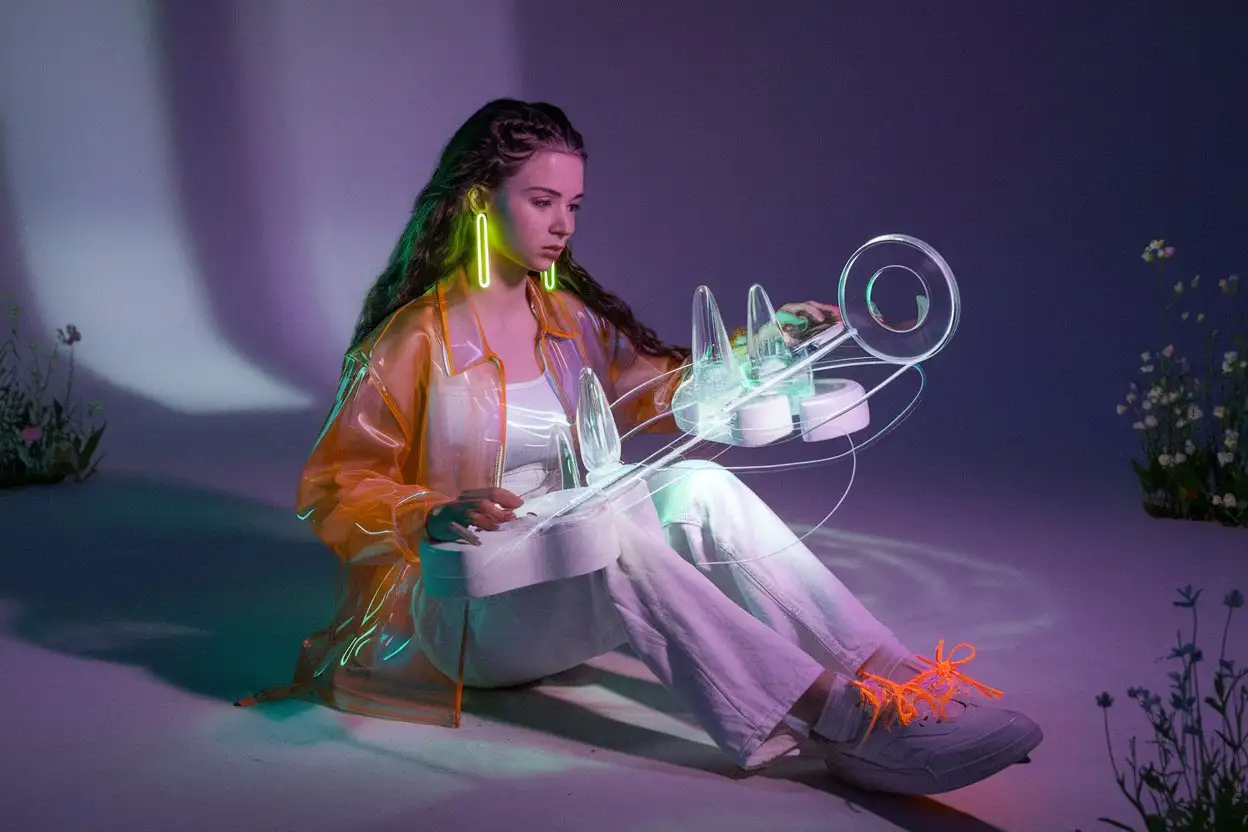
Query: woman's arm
pixel 644 383
pixel 353 490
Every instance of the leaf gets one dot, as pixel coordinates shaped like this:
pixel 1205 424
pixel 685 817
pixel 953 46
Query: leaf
pixel 1224 738
pixel 88 450
pixel 58 413
pixel 1116 824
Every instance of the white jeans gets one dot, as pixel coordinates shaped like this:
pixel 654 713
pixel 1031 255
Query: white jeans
pixel 736 640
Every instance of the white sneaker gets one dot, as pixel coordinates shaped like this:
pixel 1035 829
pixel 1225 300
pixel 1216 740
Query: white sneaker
pixel 931 755
pixel 921 740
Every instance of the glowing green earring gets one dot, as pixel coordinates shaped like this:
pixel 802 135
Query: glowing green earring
pixel 483 251
pixel 483 257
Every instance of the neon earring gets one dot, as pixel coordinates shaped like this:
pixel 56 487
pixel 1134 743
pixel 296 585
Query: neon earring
pixel 483 257
pixel 483 251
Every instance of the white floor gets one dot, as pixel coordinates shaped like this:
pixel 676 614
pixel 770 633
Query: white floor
pixel 132 612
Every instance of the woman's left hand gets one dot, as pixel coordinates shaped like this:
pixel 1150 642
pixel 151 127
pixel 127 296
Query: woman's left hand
pixel 816 315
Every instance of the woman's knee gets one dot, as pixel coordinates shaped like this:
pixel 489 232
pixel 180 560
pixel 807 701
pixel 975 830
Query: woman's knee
pixel 695 490
pixel 693 472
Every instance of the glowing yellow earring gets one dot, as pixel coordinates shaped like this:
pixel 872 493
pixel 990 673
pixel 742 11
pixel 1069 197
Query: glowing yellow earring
pixel 483 251
pixel 483 257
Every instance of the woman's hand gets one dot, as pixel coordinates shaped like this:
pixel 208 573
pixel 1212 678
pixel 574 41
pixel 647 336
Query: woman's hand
pixel 816 315
pixel 485 508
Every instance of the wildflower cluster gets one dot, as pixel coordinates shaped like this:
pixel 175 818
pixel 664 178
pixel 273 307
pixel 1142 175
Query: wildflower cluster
pixel 44 437
pixel 1191 419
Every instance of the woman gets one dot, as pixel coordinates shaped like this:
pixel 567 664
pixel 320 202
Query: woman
pixel 463 359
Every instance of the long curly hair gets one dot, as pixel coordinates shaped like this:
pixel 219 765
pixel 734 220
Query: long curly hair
pixel 484 152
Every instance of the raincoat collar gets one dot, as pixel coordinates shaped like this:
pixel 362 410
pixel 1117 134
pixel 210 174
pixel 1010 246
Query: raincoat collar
pixel 463 337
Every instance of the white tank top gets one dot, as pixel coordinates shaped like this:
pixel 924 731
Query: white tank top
pixel 532 410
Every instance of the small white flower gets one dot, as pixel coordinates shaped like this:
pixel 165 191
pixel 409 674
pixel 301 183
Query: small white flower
pixel 1146 368
pixel 1178 288
pixel 1194 412
pixel 1216 499
pixel 1131 397
pixel 1154 393
pixel 1182 423
pixel 1180 458
pixel 1189 446
pixel 1219 412
pixel 1225 458
pixel 1222 284
pixel 1146 356
pixel 1122 408
pixel 1165 460
pixel 1200 317
pixel 1230 439
pixel 1168 351
pixel 1228 500
pixel 1138 425
pixel 1186 315
pixel 1150 421
pixel 1195 281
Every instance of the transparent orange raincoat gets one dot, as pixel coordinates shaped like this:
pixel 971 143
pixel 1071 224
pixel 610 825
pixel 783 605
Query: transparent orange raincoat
pixel 419 418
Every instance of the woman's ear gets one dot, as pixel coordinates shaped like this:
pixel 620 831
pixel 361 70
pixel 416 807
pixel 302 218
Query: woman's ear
pixel 476 199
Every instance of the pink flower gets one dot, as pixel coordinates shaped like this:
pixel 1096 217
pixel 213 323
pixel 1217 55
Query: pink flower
pixel 1168 251
pixel 69 336
pixel 31 434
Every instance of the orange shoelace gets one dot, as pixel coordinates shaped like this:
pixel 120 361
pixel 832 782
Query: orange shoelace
pixel 934 687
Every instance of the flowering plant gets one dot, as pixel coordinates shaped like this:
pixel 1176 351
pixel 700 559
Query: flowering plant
pixel 43 438
pixel 1199 780
pixel 1190 423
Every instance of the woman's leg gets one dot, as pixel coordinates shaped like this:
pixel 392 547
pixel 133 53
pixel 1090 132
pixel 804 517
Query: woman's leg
pixel 734 538
pixel 737 677
pixel 520 636
pixel 743 681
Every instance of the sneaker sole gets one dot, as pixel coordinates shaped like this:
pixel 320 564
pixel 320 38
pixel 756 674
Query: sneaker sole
pixel 871 777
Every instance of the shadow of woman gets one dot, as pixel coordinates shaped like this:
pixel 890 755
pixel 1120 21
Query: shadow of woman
pixel 210 593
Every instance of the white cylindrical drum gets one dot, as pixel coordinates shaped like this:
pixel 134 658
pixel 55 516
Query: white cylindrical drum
pixel 762 421
pixel 831 397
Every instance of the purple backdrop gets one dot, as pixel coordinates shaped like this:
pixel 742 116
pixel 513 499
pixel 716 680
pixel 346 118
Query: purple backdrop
pixel 1038 149
pixel 206 188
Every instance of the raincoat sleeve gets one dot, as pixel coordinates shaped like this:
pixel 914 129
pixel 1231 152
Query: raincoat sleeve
pixel 355 489
pixel 644 384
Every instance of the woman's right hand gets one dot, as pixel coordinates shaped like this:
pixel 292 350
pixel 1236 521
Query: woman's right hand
pixel 485 508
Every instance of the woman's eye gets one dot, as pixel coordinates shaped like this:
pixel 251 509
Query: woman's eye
pixel 574 208
pixel 544 203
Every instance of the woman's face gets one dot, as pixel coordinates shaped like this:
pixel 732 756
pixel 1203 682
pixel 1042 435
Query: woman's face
pixel 534 212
